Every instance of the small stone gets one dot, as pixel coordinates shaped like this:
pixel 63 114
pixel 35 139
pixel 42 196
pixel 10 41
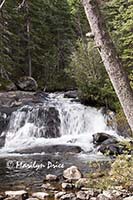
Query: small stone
pixel 67 186
pixel 69 196
pixel 20 194
pixel 81 195
pixel 48 186
pixel 112 193
pixel 102 197
pixel 59 194
pixel 32 198
pixel 40 195
pixel 91 192
pixel 51 177
pixel 128 198
pixel 72 173
pixel 93 198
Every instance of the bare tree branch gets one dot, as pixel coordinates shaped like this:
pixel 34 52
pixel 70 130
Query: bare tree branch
pixel 2 3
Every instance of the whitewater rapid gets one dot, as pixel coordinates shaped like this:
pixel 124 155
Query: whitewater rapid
pixel 75 125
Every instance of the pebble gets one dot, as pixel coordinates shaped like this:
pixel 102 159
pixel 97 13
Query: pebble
pixel 40 195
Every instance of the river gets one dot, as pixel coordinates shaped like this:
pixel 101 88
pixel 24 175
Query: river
pixel 48 137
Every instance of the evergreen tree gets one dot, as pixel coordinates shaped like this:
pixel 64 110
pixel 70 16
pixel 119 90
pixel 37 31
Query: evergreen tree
pixel 119 15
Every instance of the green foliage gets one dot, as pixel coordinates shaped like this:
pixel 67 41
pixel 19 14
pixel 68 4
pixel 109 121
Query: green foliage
pixel 119 15
pixel 49 41
pixel 90 75
pixel 119 174
pixel 122 124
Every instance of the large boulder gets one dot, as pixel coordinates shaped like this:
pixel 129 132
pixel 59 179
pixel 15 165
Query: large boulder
pixel 98 138
pixel 72 173
pixel 3 121
pixel 2 141
pixel 11 86
pixel 27 83
pixel 109 145
pixel 63 149
pixel 71 94
pixel 112 149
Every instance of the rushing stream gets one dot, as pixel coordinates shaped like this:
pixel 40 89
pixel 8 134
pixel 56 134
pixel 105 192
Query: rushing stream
pixel 56 121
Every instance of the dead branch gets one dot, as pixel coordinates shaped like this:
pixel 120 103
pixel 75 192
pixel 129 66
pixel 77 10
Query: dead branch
pixel 21 5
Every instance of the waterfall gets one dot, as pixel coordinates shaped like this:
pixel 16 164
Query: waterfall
pixel 57 120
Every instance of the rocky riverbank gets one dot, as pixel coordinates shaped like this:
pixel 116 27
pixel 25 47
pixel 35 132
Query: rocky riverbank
pixel 72 185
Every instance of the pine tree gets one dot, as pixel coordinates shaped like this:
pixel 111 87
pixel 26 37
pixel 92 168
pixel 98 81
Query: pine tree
pixel 119 15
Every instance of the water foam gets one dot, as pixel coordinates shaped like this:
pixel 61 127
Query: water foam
pixel 77 125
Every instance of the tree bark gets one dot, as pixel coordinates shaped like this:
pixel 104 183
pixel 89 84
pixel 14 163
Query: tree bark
pixel 110 58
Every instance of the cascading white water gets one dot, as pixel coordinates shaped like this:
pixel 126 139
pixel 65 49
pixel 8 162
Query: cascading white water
pixel 75 124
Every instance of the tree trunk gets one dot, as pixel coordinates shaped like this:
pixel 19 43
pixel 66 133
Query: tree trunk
pixel 110 58
pixel 28 38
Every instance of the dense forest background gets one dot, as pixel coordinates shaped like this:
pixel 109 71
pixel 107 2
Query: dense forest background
pixel 47 40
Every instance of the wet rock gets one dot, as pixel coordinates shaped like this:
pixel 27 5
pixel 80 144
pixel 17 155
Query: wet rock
pixel 51 177
pixel 63 149
pixel 98 138
pixel 40 195
pixel 27 83
pixel 2 197
pixel 58 195
pixel 67 186
pixel 110 118
pixel 16 98
pixel 108 144
pixel 4 120
pixel 69 196
pixel 82 182
pixel 52 123
pixel 72 173
pixel 112 149
pixel 71 94
pixel 128 198
pixel 2 141
pixel 20 195
pixel 110 141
